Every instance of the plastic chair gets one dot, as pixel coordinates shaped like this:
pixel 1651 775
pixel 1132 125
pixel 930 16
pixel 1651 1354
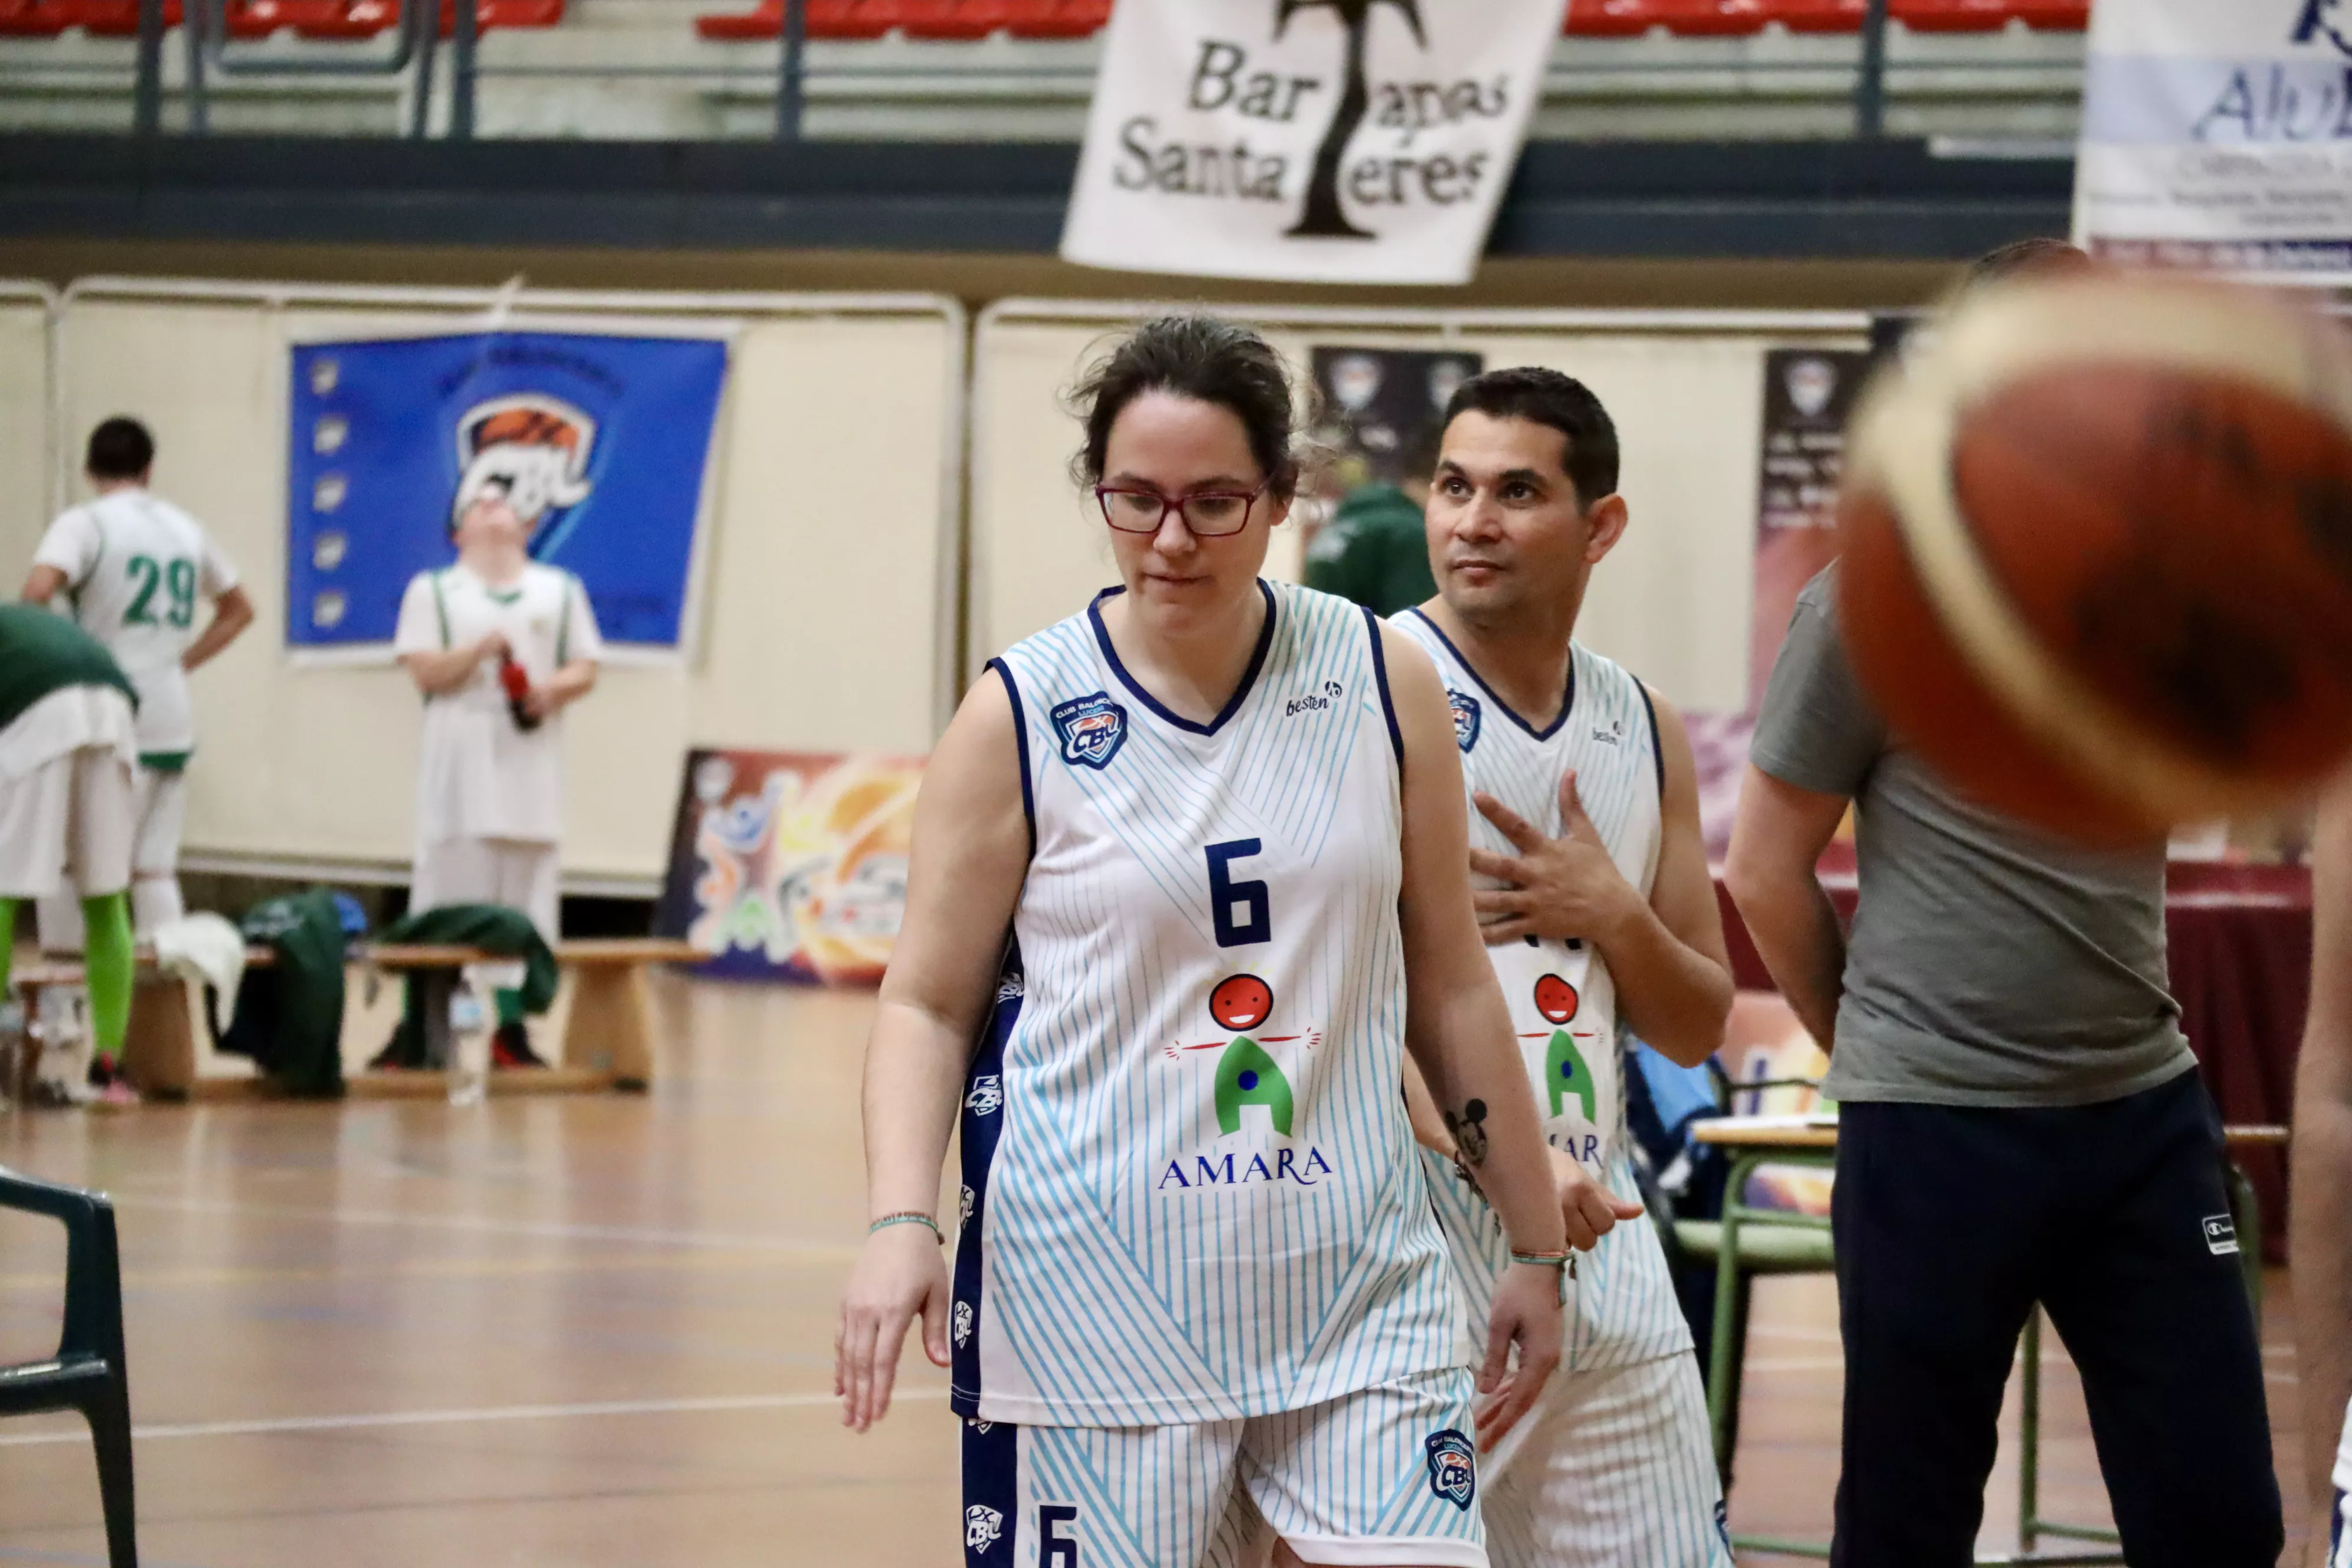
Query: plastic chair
pixel 87 1374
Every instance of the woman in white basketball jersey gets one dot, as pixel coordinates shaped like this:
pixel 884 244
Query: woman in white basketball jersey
pixel 1222 821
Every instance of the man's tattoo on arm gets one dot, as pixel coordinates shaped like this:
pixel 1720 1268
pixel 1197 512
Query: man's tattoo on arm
pixel 1469 1130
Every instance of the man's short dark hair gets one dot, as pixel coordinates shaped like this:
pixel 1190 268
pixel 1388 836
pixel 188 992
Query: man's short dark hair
pixel 1542 396
pixel 120 448
pixel 2040 257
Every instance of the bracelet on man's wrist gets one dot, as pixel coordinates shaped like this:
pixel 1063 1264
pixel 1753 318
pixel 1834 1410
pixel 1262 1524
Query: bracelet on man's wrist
pixel 909 1216
pixel 1541 1259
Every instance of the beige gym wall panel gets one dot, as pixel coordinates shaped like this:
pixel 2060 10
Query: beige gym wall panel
pixel 27 460
pixel 826 581
pixel 1684 388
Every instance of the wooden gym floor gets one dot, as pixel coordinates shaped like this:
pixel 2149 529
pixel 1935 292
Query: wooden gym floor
pixel 598 1331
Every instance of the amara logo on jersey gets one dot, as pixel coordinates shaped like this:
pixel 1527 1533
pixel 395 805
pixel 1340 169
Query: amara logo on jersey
pixel 1248 1076
pixel 1093 728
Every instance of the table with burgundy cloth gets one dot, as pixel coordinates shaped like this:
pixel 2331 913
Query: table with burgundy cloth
pixel 2239 942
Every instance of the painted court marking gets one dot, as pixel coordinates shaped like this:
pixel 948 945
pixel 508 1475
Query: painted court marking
pixel 462 1417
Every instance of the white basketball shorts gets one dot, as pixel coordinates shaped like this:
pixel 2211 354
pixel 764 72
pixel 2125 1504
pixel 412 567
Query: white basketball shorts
pixel 1385 1474
pixel 1614 1464
pixel 69 825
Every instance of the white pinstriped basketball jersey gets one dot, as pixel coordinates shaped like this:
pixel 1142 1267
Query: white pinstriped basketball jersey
pixel 1563 998
pixel 1191 1191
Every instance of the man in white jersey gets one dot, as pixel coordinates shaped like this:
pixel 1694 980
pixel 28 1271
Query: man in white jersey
pixel 1598 911
pixel 2320 1225
pixel 499 644
pixel 133 568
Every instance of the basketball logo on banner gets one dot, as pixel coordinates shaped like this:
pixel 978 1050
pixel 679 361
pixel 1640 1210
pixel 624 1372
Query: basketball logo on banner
pixel 598 442
pixel 1324 140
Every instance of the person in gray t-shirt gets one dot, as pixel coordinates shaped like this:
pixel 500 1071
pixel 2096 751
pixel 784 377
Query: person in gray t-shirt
pixel 2017 1124
pixel 1988 964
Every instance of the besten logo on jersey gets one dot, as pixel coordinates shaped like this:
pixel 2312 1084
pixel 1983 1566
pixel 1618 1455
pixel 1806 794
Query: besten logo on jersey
pixel 1314 701
pixel 1465 717
pixel 1453 1467
pixel 1093 728
pixel 1248 1076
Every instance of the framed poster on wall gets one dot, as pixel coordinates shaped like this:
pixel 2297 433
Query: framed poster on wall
pixel 791 865
pixel 600 441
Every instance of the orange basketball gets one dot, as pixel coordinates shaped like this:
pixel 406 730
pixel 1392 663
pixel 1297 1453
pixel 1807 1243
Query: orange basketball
pixel 2096 541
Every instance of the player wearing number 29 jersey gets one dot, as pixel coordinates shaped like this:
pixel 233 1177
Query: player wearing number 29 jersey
pixel 1191 1189
pixel 139 573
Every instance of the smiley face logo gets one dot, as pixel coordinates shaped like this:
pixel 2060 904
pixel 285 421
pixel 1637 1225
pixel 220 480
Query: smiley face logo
pixel 1555 999
pixel 1241 1001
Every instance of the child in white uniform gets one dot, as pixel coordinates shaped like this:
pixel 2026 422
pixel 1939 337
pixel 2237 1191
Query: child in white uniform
pixel 133 567
pixel 490 790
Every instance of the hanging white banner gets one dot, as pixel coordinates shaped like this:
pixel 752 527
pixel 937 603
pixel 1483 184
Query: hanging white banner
pixel 1308 141
pixel 2217 136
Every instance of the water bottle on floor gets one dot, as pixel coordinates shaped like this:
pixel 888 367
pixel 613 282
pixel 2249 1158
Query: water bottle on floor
pixel 470 1042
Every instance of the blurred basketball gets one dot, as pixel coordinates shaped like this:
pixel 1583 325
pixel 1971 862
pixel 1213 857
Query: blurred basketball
pixel 2097 538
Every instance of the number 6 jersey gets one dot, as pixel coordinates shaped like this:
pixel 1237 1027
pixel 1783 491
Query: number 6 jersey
pixel 1190 1190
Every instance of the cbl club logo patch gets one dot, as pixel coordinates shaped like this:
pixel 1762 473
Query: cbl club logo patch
pixel 981 1527
pixel 1453 1469
pixel 1093 728
pixel 2221 1235
pixel 1465 717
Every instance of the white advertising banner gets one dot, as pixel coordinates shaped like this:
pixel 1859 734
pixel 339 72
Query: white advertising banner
pixel 1305 141
pixel 2217 136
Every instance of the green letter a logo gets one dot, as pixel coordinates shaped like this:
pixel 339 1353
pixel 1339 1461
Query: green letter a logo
pixel 1566 1073
pixel 1248 1076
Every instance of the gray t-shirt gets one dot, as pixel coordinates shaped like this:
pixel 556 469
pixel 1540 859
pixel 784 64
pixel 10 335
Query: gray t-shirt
pixel 1988 964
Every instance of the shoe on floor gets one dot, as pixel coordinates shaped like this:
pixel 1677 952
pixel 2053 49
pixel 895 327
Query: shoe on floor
pixel 393 1057
pixel 510 1048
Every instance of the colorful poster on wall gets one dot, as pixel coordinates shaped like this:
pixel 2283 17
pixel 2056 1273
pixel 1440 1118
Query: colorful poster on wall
pixel 1313 141
pixel 791 865
pixel 2216 137
pixel 600 443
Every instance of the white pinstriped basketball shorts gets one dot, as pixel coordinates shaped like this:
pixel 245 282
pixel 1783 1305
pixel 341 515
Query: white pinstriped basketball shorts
pixel 1384 1475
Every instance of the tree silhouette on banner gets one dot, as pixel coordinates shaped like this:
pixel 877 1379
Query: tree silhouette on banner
pixel 1322 217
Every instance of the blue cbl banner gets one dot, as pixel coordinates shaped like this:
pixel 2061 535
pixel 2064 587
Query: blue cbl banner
pixel 598 442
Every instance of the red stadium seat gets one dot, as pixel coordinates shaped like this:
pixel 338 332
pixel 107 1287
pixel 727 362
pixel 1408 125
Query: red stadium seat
pixel 834 20
pixel 492 15
pixel 32 19
pixel 1818 15
pixel 1058 19
pixel 737 26
pixel 1608 18
pixel 959 20
pixel 1951 16
pixel 1713 18
pixel 349 19
pixel 112 18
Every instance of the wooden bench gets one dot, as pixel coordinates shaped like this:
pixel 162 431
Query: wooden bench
pixel 607 1040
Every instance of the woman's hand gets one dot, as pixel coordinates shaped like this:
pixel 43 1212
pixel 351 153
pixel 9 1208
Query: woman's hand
pixel 1591 1209
pixel 1526 1315
pixel 900 1275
